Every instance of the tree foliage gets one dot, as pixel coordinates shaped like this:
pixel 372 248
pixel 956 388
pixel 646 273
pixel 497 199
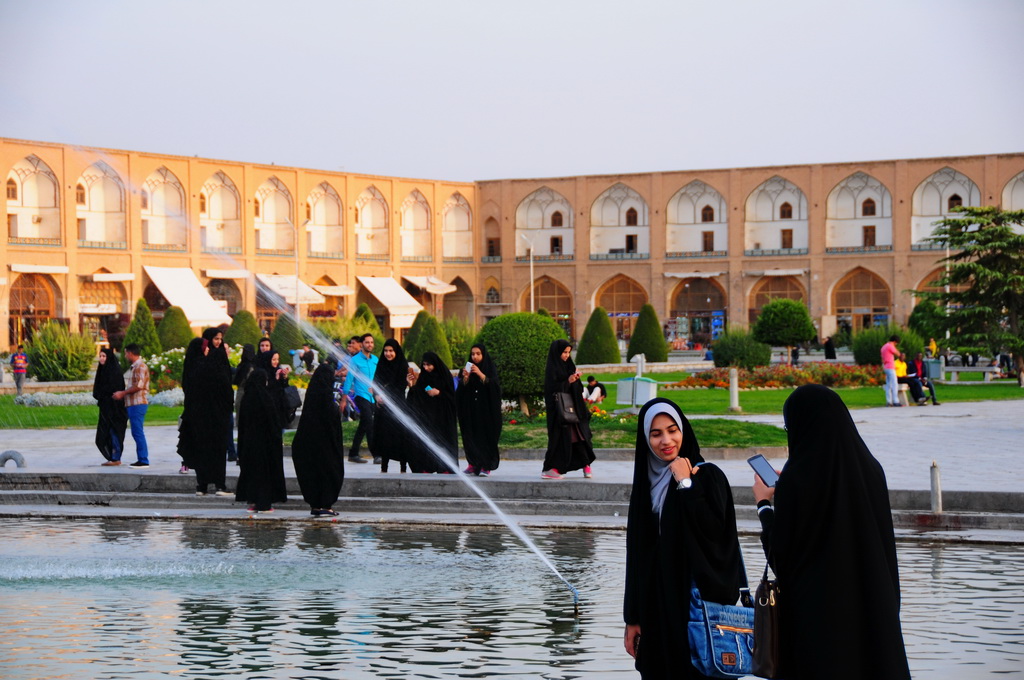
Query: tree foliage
pixel 460 339
pixel 867 345
pixel 648 338
pixel 927 320
pixel 412 336
pixel 518 343
pixel 364 312
pixel 286 336
pixel 598 344
pixel 784 323
pixel 985 303
pixel 739 348
pixel 142 332
pixel 431 339
pixel 325 331
pixel 243 330
pixel 174 330
pixel 55 353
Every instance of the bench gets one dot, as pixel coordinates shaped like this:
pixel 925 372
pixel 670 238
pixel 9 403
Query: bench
pixel 988 371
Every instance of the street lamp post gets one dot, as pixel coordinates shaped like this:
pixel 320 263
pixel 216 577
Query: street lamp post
pixel 532 286
pixel 295 250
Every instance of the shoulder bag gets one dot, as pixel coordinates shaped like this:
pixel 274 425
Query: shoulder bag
pixel 721 637
pixel 767 654
pixel 566 408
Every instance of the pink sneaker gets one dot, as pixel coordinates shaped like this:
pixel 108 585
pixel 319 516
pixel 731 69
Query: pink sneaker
pixel 587 474
pixel 551 474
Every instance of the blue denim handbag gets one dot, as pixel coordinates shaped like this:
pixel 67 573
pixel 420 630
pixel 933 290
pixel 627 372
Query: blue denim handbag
pixel 721 637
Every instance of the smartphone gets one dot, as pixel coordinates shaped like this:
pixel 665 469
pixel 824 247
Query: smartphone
pixel 427 388
pixel 764 469
pixel 469 366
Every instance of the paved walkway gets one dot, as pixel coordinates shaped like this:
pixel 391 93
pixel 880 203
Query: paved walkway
pixel 978 446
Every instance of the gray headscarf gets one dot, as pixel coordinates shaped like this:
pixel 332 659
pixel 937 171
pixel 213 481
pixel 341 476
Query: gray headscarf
pixel 658 471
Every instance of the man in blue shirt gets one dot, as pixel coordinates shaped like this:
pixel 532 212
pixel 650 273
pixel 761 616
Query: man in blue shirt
pixel 362 368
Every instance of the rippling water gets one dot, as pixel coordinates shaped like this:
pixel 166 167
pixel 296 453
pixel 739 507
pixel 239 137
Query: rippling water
pixel 118 598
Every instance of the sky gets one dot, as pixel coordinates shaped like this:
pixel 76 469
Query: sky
pixel 473 90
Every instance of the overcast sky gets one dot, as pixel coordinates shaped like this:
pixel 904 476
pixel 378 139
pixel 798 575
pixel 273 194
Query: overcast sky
pixel 465 90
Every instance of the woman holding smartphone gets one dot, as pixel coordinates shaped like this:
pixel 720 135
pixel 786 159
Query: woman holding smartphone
pixel 479 403
pixel 569 446
pixel 432 400
pixel 681 531
pixel 830 541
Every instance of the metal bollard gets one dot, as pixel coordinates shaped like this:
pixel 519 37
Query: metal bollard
pixel 734 391
pixel 936 489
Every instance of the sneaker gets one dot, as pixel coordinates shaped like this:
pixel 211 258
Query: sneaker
pixel 485 473
pixel 936 403
pixel 264 512
pixel 200 493
pixel 551 474
pixel 356 459
pixel 470 470
pixel 376 460
pixel 587 473
pixel 222 492
pixel 328 513
pixel 251 508
pixel 184 470
pixel 111 463
pixel 139 466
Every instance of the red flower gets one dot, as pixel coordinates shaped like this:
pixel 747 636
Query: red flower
pixel 512 422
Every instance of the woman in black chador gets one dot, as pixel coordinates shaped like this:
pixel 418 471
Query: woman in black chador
pixel 830 541
pixel 432 401
pixel 277 380
pixel 479 404
pixel 681 529
pixel 113 415
pixel 390 438
pixel 206 418
pixel 569 446
pixel 317 451
pixel 260 450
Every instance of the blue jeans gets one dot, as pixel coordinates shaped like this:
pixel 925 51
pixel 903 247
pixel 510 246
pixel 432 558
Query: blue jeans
pixel 137 416
pixel 892 388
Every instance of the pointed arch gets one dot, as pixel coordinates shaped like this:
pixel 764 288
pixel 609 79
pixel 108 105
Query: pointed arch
pixel 772 287
pixel 221 221
pixel 371 224
pixel 34 300
pixel 552 295
pixel 417 240
pixel 861 299
pixel 934 199
pixel 699 306
pixel 326 215
pixel 858 215
pixel 619 225
pixel 460 302
pixel 164 226
pixel 226 291
pixel 456 227
pixel 100 215
pixel 622 297
pixel 776 219
pixel 33 203
pixel 698 221
pixel 1013 193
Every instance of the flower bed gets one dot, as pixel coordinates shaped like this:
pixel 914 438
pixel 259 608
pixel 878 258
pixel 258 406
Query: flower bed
pixel 52 399
pixel 778 376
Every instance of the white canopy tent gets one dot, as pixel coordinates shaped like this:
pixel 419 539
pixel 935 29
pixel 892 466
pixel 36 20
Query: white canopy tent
pixel 182 288
pixel 285 286
pixel 402 307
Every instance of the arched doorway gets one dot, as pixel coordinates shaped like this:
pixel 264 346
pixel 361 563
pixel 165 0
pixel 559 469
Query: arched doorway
pixel 158 304
pixel 771 287
pixel 554 297
pixel 861 300
pixel 698 307
pixel 226 291
pixel 459 303
pixel 35 299
pixel 622 298
pixel 100 305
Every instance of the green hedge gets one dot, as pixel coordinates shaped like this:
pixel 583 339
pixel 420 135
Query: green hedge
pixel 518 343
pixel 648 338
pixel 598 344
pixel 55 353
pixel 431 339
pixel 867 345
pixel 174 330
pixel 243 330
pixel 460 339
pixel 739 348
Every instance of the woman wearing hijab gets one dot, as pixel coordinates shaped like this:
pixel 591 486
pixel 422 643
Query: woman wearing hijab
pixel 113 415
pixel 681 531
pixel 317 451
pixel 206 418
pixel 830 541
pixel 569 446
pixel 260 449
pixel 390 438
pixel 479 405
pixel 277 376
pixel 432 400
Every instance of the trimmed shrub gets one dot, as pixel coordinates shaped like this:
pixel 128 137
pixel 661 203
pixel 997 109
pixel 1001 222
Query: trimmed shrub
pixel 412 336
pixel 286 336
pixel 598 344
pixel 174 330
pixel 543 311
pixel 55 353
pixel 648 338
pixel 739 348
pixel 364 312
pixel 460 339
pixel 519 343
pixel 867 345
pixel 325 331
pixel 243 330
pixel 431 339
pixel 142 332
pixel 784 323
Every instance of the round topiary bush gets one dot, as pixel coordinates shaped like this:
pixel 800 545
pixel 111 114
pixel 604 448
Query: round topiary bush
pixel 518 343
pixel 648 338
pixel 867 345
pixel 55 353
pixel 598 344
pixel 784 323
pixel 174 330
pixel 243 330
pixel 739 348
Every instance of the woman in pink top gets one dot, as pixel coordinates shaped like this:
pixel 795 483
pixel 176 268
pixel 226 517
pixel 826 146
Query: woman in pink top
pixel 889 354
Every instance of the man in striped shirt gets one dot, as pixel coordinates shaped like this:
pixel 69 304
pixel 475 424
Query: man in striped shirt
pixel 136 399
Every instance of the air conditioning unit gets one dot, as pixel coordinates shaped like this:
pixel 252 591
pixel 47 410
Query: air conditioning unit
pixel 219 225
pixel 37 219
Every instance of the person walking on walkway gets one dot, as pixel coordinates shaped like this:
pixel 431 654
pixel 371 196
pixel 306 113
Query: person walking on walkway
pixel 19 367
pixel 317 451
pixel 681 531
pixel 136 400
pixel 362 368
pixel 830 541
pixel 479 405
pixel 390 437
pixel 260 447
pixel 889 353
pixel 113 420
pixel 569 443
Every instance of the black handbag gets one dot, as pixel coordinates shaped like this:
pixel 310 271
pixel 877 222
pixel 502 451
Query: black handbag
pixel 566 408
pixel 767 651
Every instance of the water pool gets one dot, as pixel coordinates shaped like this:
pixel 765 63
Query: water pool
pixel 130 598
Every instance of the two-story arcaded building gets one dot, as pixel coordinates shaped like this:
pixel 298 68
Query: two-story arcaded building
pixel 91 230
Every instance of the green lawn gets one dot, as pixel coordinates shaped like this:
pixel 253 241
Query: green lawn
pixel 13 416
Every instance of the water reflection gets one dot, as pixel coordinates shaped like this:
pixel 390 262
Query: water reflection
pixel 136 599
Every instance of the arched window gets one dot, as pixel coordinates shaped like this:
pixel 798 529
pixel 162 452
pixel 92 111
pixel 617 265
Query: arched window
pixel 202 203
pixel 861 300
pixel 79 194
pixel 867 208
pixel 143 198
pixel 555 298
pixel 631 217
pixel 12 190
pixel 770 288
pixel 955 201
pixel 493 296
pixel 622 298
pixel 256 207
pixel 699 307
pixel 556 219
pixel 707 214
pixel 226 290
pixel 785 211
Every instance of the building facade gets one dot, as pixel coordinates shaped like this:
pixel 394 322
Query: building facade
pixel 89 231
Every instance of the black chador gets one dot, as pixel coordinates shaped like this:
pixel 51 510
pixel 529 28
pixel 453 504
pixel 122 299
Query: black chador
pixel 479 405
pixel 436 415
pixel 390 437
pixel 569 445
pixel 113 415
pixel 260 450
pixel 317 450
pixel 206 418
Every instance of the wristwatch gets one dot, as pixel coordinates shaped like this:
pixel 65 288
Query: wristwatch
pixel 684 484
